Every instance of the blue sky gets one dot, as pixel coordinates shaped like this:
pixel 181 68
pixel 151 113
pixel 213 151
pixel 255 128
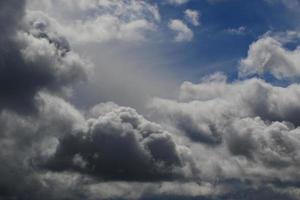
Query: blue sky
pixel 214 47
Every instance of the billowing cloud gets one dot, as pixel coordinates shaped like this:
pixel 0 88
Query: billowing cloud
pixel 269 55
pixel 182 32
pixel 56 151
pixel 100 21
pixel 122 145
pixel 33 59
pixel 24 138
pixel 249 128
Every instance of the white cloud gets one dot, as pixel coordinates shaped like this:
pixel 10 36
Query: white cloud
pixel 101 20
pixel 178 2
pixel 192 16
pixel 245 129
pixel 269 55
pixel 182 31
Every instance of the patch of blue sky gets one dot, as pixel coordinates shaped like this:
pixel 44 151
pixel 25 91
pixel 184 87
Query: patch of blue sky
pixel 217 44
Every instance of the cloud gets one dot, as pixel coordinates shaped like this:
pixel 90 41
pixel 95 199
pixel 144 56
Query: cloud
pixel 144 151
pixel 60 154
pixel 182 31
pixel 34 59
pixel 37 68
pixel 248 128
pixel 24 138
pixel 178 2
pixel 192 17
pixel 101 21
pixel 269 55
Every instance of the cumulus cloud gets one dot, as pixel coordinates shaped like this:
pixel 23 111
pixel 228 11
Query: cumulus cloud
pixel 248 128
pixel 33 59
pixel 24 138
pixel 56 151
pixel 182 32
pixel 192 16
pixel 269 55
pixel 122 145
pixel 60 154
pixel 101 21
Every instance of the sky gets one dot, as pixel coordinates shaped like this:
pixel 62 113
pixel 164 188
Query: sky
pixel 149 99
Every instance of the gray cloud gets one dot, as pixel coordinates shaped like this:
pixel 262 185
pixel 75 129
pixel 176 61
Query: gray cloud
pixel 32 60
pixel 59 154
pixel 122 145
pixel 248 128
pixel 24 138
pixel 38 66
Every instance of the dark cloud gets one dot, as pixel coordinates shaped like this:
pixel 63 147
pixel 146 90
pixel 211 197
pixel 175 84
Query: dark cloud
pixel 23 139
pixel 121 145
pixel 32 61
pixel 56 153
pixel 60 155
pixel 31 64
pixel 207 134
pixel 11 15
